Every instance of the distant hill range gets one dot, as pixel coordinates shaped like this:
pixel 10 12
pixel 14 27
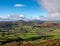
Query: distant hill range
pixel 37 22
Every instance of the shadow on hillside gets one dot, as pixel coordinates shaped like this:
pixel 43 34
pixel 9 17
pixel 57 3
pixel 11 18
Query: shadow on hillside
pixel 28 39
pixel 36 38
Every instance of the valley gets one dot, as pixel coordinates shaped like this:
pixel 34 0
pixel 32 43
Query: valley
pixel 30 33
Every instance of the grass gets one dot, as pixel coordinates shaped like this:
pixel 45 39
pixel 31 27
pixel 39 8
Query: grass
pixel 31 34
pixel 28 37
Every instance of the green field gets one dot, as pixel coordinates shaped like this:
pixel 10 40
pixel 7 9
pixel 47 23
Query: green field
pixel 28 33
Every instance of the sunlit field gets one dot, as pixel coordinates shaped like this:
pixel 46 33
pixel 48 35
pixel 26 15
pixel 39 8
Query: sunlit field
pixel 29 32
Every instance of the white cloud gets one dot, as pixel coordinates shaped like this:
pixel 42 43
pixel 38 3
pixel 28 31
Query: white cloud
pixel 53 8
pixel 22 16
pixel 12 17
pixel 19 5
pixel 3 17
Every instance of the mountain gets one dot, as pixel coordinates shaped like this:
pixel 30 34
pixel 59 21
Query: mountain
pixel 5 24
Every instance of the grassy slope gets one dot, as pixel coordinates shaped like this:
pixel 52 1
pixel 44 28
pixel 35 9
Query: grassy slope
pixel 53 42
pixel 33 35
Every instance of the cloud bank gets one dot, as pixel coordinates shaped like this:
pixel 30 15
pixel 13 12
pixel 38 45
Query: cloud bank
pixel 53 8
pixel 11 17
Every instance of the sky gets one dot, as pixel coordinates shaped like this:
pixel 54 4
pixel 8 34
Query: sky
pixel 32 9
pixel 53 9
pixel 27 8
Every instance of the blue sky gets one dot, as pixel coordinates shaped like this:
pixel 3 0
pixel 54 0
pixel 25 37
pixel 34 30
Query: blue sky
pixel 26 7
pixel 42 9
